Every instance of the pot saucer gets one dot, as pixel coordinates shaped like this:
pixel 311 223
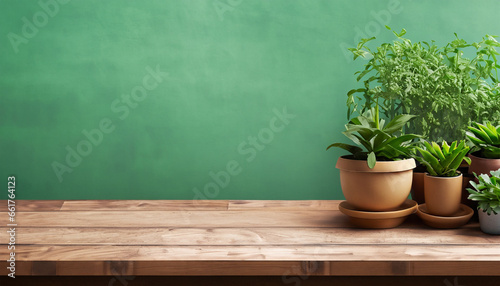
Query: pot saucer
pixel 458 219
pixel 384 219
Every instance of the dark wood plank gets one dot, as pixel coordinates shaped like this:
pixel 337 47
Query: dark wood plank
pixel 243 268
pixel 285 269
pixel 458 268
pixel 303 280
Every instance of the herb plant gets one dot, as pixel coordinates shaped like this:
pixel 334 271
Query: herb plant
pixel 378 139
pixel 440 85
pixel 486 139
pixel 444 160
pixel 486 192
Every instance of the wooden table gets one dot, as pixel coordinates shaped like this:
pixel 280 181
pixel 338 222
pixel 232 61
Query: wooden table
pixel 279 238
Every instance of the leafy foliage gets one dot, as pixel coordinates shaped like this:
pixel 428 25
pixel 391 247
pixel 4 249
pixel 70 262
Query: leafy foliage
pixel 486 139
pixel 379 140
pixel 486 192
pixel 438 84
pixel 444 160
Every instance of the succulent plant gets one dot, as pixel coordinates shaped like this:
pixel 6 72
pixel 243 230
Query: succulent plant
pixel 486 139
pixel 486 192
pixel 444 160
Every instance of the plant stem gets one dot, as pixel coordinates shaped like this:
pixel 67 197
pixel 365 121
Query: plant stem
pixel 377 125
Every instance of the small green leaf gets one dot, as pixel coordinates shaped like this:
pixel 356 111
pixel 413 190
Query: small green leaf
pixel 446 147
pixel 372 159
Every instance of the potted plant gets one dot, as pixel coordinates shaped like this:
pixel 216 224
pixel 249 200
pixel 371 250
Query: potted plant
pixel 444 88
pixel 377 175
pixel 443 183
pixel 439 84
pixel 485 155
pixel 487 193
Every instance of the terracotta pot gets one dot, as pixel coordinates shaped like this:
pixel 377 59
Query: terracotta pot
pixel 417 187
pixel 465 194
pixel 442 194
pixel 383 188
pixel 480 165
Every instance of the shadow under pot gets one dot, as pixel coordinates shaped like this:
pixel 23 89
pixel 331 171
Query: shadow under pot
pixel 442 194
pixel 383 188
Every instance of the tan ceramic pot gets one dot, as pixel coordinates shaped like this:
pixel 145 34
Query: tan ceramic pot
pixel 417 187
pixel 480 165
pixel 442 194
pixel 383 188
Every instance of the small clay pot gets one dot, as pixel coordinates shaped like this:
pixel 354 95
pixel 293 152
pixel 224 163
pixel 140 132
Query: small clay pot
pixel 465 194
pixel 442 194
pixel 417 187
pixel 383 188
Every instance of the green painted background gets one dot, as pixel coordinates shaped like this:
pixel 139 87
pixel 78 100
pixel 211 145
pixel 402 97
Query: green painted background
pixel 232 65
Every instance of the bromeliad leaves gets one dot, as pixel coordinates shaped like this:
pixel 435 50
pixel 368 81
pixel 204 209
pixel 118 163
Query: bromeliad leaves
pixel 486 192
pixel 444 160
pixel 486 139
pixel 375 141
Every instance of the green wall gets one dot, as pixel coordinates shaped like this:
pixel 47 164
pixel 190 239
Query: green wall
pixel 224 99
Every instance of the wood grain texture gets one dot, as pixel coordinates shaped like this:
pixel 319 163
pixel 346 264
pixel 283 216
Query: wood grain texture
pixel 248 236
pixel 146 205
pixel 31 205
pixel 234 205
pixel 283 238
pixel 325 252
pixel 251 218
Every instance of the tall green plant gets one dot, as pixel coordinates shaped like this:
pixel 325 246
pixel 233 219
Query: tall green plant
pixel 438 84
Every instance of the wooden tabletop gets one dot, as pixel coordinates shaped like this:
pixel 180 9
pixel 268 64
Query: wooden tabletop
pixel 281 238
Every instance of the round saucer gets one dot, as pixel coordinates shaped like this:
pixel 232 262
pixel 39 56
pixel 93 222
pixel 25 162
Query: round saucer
pixel 383 219
pixel 458 219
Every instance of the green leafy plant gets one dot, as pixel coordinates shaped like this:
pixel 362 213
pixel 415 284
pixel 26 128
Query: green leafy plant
pixel 374 140
pixel 439 84
pixel 486 139
pixel 486 192
pixel 444 160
